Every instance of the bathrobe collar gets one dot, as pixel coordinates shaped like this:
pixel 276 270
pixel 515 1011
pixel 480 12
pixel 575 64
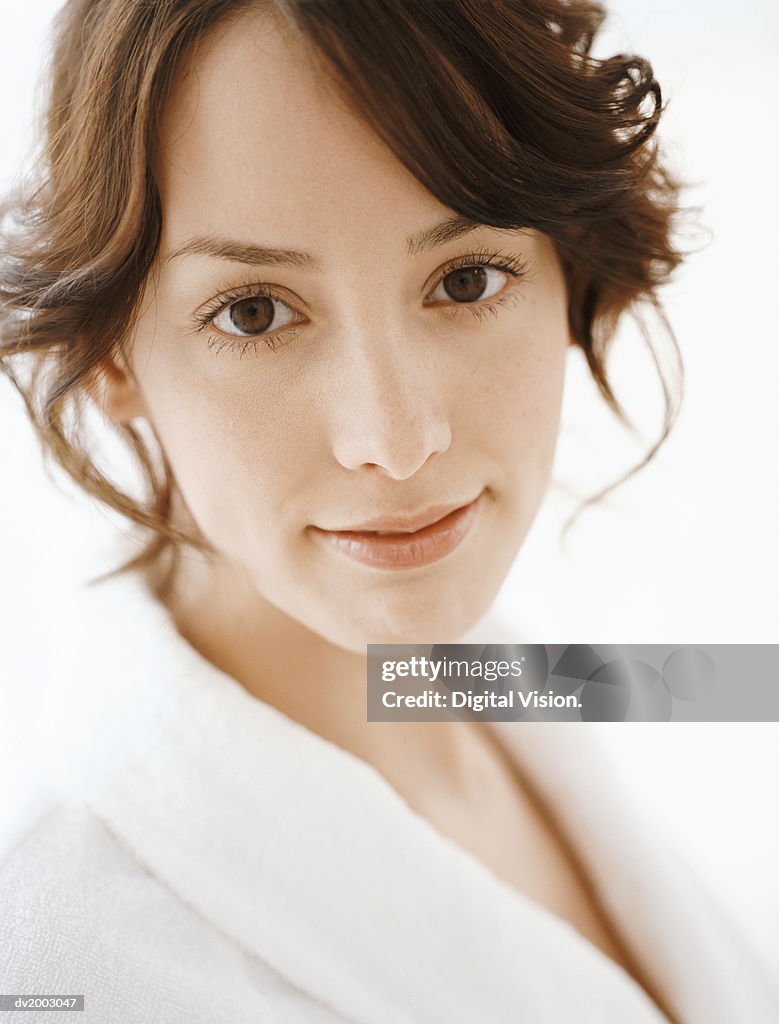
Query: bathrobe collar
pixel 307 857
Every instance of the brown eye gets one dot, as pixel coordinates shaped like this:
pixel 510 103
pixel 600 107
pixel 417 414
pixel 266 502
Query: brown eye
pixel 252 316
pixel 466 284
pixel 470 284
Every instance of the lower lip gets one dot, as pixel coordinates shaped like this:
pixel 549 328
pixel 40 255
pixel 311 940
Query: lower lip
pixel 406 551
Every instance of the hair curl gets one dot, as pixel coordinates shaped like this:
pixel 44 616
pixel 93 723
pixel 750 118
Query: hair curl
pixel 497 108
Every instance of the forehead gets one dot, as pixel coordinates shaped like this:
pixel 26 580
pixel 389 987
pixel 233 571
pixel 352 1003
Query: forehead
pixel 256 141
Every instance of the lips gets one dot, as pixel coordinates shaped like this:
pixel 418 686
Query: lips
pixel 404 523
pixel 382 548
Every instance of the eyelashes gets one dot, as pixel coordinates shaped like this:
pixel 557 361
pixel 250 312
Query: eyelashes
pixel 514 267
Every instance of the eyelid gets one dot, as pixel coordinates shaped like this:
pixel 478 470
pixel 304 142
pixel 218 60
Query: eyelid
pixel 516 266
pixel 207 313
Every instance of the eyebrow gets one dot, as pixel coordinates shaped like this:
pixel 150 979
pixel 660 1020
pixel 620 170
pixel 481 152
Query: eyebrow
pixel 266 255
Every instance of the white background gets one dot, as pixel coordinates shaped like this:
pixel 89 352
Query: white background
pixel 686 552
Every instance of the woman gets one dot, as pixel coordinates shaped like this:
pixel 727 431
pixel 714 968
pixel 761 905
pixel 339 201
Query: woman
pixel 330 258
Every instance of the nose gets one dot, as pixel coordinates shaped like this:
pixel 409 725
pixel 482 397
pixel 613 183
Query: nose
pixel 388 411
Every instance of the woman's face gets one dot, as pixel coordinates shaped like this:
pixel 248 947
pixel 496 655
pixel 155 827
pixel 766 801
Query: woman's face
pixel 383 394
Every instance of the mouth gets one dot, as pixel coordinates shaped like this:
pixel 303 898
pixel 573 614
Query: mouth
pixel 402 522
pixel 404 549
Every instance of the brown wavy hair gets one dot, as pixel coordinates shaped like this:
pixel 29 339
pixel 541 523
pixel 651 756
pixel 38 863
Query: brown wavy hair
pixel 498 108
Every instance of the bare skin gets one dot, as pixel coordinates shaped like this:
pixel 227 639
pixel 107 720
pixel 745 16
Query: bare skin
pixel 457 777
pixel 388 397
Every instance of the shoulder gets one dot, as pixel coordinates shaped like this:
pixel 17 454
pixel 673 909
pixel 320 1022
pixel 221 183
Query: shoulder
pixel 80 915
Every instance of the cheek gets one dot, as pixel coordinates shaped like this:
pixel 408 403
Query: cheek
pixel 233 455
pixel 521 394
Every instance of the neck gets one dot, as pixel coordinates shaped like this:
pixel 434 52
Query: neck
pixel 278 660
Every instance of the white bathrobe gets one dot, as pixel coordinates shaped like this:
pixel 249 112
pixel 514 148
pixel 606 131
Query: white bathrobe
pixel 194 856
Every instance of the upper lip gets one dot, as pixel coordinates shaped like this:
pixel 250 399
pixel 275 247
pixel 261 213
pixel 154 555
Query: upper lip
pixel 405 522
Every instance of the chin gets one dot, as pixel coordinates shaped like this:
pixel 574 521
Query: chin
pixel 440 621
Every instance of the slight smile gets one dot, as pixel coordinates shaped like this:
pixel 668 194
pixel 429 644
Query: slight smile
pixel 404 550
